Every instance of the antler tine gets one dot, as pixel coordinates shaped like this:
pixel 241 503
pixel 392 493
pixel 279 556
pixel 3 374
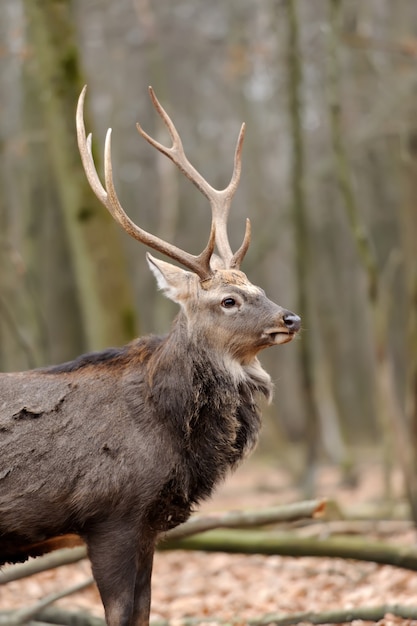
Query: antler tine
pixel 176 151
pixel 84 146
pixel 237 166
pixel 199 264
pixel 239 254
pixel 220 200
pixel 222 207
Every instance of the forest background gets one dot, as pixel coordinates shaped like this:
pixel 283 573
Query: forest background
pixel 328 91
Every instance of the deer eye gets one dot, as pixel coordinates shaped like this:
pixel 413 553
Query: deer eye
pixel 228 303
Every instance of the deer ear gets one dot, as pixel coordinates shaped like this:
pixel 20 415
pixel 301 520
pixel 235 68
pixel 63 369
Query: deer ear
pixel 172 280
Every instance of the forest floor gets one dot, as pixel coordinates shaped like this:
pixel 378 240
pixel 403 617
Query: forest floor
pixel 225 586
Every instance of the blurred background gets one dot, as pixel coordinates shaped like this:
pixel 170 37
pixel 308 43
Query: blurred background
pixel 328 90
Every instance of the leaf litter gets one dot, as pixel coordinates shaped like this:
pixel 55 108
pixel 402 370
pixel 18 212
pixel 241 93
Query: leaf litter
pixel 229 586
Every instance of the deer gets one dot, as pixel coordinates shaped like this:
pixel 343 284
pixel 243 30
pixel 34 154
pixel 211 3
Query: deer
pixel 116 447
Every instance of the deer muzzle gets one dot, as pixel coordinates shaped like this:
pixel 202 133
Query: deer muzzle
pixel 285 331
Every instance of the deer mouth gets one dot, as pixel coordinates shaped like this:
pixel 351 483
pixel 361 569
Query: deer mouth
pixel 276 336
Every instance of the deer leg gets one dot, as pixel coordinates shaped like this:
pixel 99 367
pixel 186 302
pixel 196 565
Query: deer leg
pixel 142 594
pixel 115 557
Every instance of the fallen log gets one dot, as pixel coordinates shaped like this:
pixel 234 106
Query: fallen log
pixel 290 544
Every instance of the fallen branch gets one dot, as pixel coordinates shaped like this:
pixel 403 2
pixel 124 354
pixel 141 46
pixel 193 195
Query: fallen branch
pixel 57 615
pixel 197 524
pixel 330 528
pixel 384 510
pixel 249 519
pixel 42 563
pixel 289 544
pixel 372 614
pixel 62 617
pixel 22 616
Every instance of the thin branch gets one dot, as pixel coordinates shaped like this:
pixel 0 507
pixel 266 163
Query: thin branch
pixel 328 528
pixel 43 563
pixel 326 617
pixel 249 519
pixel 62 617
pixel 404 46
pixel 22 616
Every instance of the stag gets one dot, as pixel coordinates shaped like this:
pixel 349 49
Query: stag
pixel 118 446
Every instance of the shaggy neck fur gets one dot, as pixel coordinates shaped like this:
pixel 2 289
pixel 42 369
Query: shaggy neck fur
pixel 211 404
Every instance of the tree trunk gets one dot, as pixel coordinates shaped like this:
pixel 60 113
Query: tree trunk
pixel 97 259
pixel 302 247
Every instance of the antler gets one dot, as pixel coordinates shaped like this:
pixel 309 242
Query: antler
pixel 107 195
pixel 220 200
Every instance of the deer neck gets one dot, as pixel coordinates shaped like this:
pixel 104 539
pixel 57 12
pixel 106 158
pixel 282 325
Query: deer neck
pixel 186 374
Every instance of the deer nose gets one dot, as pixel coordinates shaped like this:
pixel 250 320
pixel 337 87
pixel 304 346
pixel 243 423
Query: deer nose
pixel 292 321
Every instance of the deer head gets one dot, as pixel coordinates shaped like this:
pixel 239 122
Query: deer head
pixel 213 292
